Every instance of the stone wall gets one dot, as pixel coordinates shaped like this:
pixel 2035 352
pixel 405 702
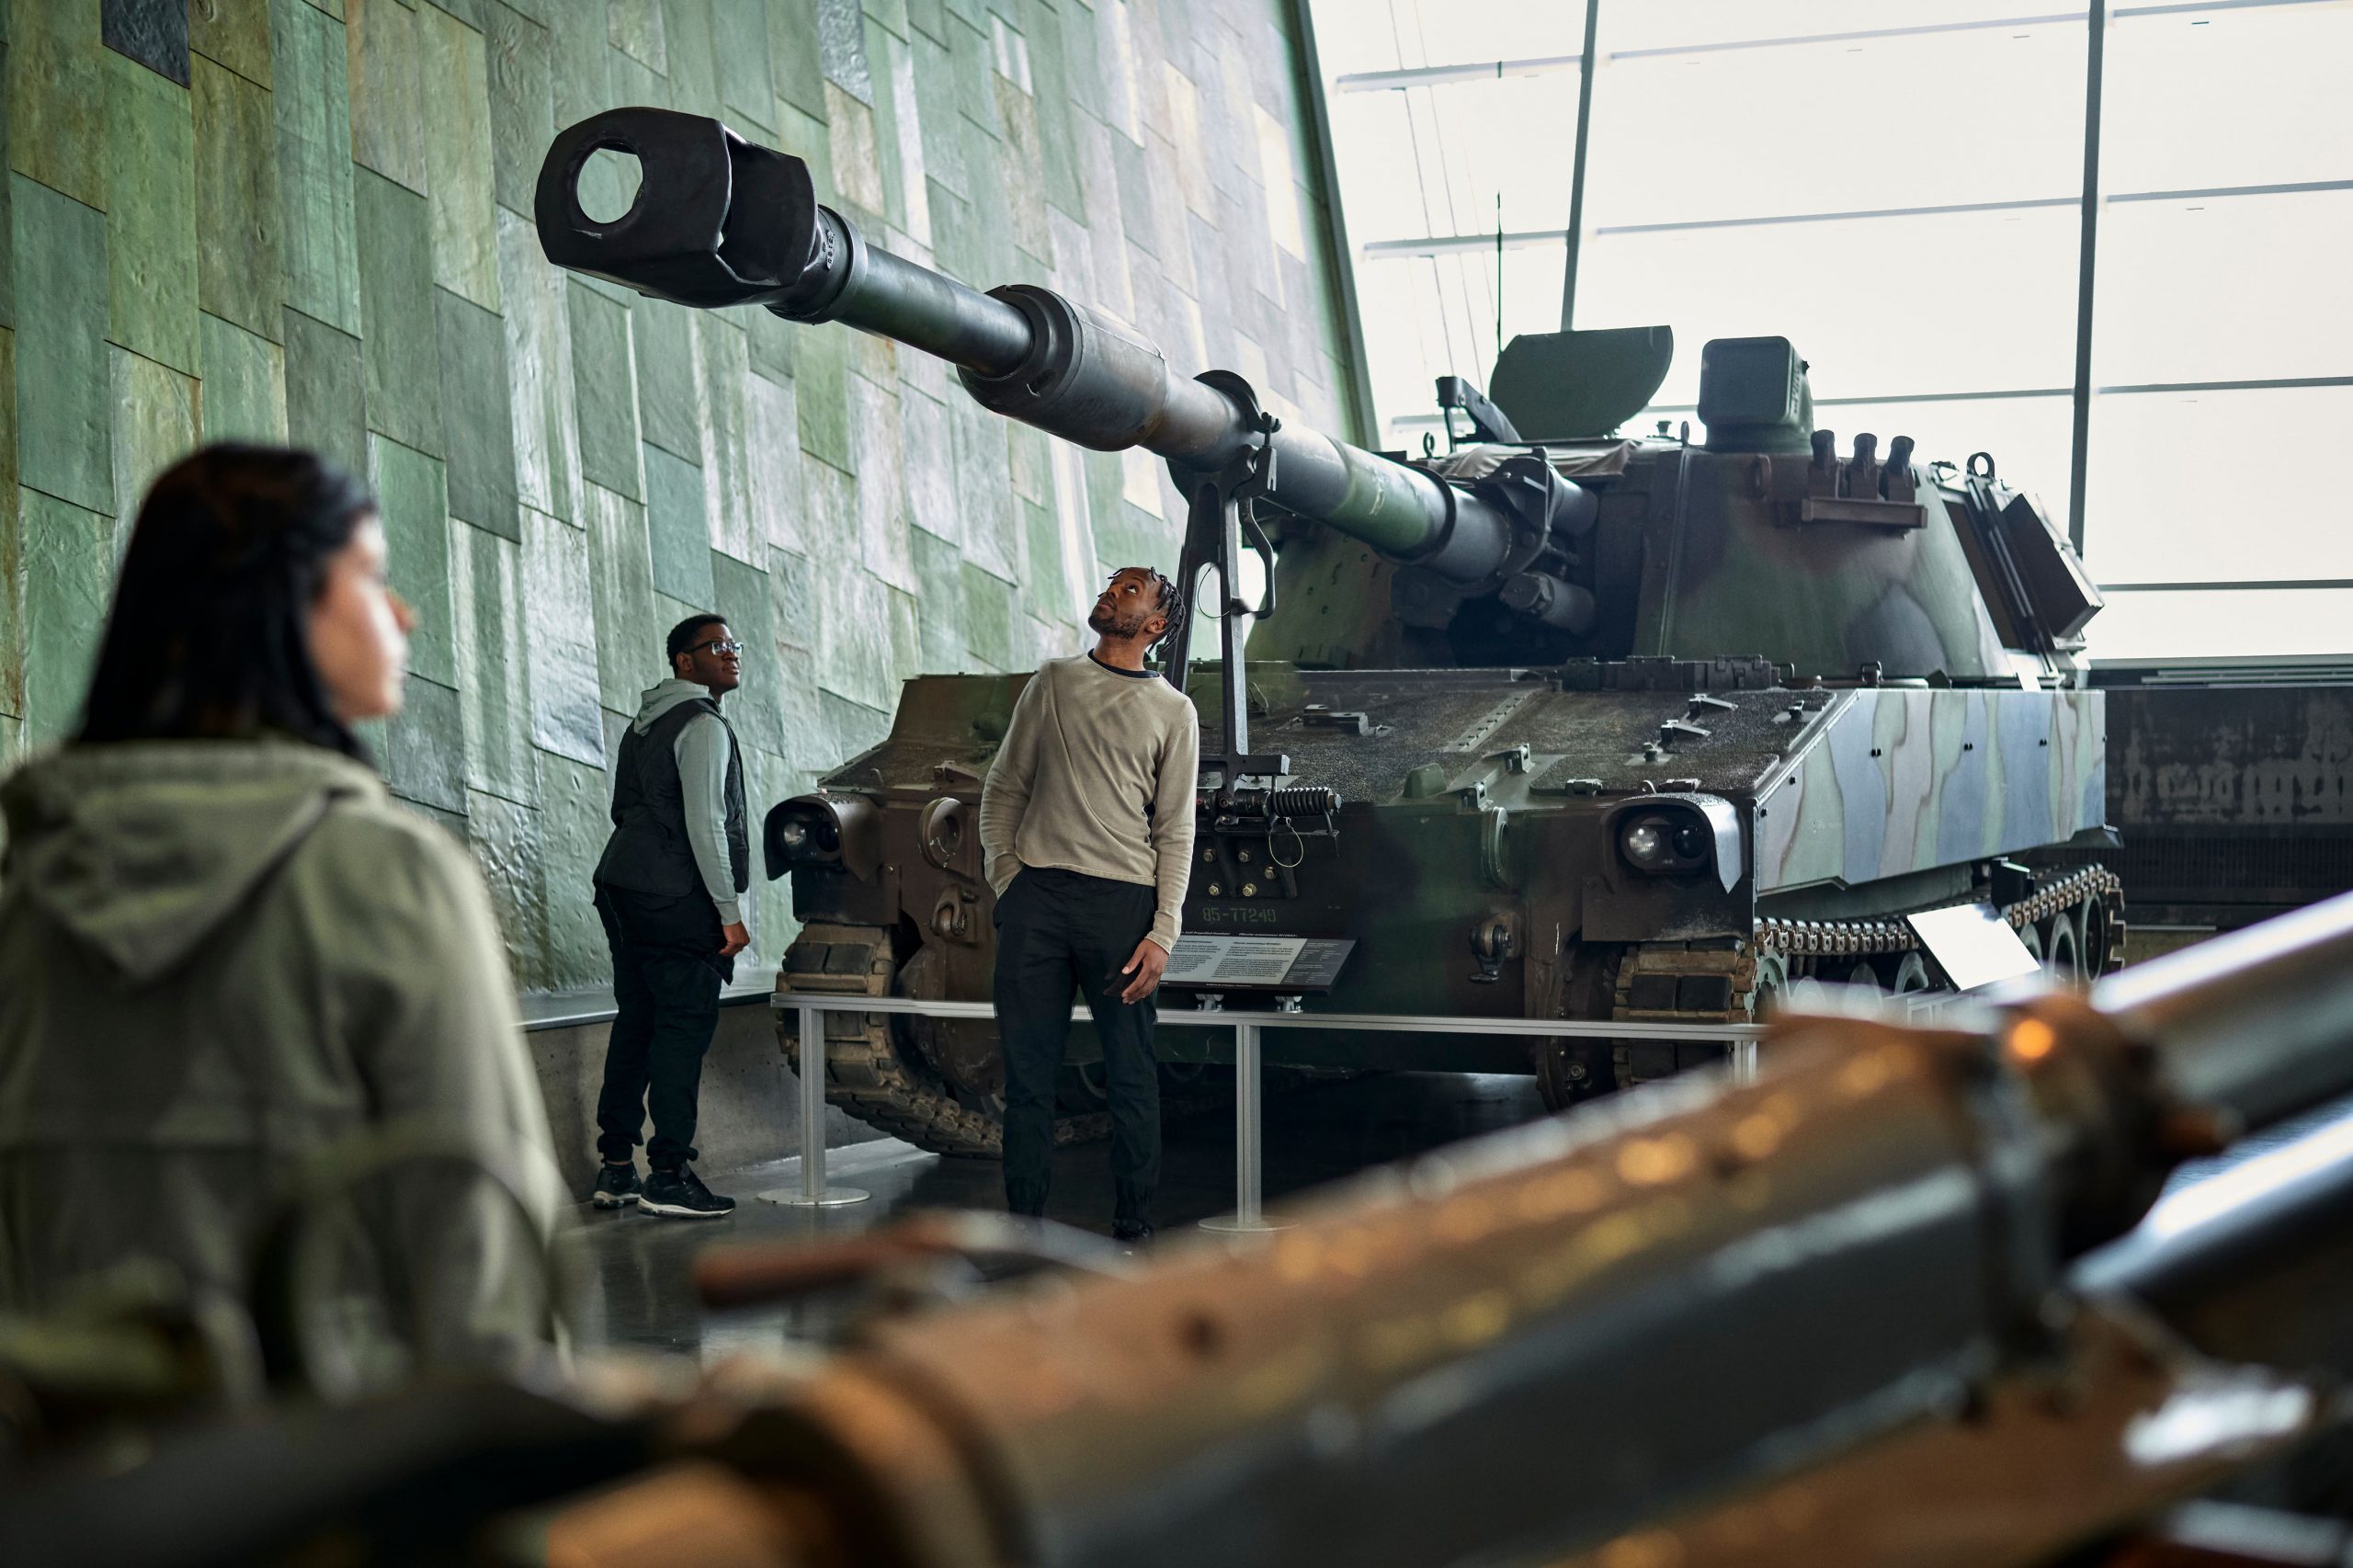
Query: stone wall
pixel 308 221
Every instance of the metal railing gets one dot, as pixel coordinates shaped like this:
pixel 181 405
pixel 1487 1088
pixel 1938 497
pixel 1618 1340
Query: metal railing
pixel 1249 1212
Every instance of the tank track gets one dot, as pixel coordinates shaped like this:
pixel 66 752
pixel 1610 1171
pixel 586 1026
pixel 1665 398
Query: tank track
pixel 1821 939
pixel 1729 978
pixel 872 1072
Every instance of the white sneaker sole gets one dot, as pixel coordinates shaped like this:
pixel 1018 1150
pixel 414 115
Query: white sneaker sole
pixel 680 1211
pixel 611 1200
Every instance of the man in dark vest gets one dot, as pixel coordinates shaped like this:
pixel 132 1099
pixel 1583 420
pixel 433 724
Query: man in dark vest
pixel 670 891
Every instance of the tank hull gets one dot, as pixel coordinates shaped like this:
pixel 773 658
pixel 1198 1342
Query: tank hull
pixel 1476 864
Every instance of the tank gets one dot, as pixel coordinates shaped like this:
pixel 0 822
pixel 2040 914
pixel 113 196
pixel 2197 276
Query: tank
pixel 1553 723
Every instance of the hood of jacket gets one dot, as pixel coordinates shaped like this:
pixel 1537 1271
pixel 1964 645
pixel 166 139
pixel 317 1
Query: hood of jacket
pixel 140 851
pixel 659 700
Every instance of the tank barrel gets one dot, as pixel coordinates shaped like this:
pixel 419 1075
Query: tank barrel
pixel 720 222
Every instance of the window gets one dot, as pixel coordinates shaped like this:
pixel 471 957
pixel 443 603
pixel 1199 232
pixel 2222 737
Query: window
pixel 1898 191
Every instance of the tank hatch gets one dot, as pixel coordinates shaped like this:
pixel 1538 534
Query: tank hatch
pixel 1567 386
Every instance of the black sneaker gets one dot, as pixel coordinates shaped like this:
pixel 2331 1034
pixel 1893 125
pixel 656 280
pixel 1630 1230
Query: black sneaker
pixel 616 1185
pixel 1130 1232
pixel 681 1194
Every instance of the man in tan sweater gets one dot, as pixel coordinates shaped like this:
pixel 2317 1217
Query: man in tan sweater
pixel 1087 820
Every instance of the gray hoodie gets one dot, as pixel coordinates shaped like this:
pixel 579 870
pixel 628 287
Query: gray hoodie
pixel 219 960
pixel 702 750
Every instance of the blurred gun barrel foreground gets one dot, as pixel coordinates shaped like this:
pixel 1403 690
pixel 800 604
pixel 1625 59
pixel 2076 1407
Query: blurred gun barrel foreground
pixel 1822 1317
pixel 1869 1308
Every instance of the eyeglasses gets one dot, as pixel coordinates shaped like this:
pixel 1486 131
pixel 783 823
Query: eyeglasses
pixel 719 647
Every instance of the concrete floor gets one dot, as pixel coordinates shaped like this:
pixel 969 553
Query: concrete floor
pixel 634 1272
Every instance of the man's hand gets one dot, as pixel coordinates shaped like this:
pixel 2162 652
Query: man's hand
pixel 738 938
pixel 1149 960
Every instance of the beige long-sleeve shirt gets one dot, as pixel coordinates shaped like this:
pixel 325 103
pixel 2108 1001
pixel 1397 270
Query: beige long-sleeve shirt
pixel 1097 774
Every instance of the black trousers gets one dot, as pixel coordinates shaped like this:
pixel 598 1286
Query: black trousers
pixel 666 973
pixel 1056 931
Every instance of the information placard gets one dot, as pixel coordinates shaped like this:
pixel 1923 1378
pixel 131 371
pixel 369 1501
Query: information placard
pixel 1974 944
pixel 1288 964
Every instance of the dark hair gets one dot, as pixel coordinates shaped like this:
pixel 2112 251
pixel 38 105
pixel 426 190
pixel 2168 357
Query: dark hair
pixel 682 637
pixel 210 634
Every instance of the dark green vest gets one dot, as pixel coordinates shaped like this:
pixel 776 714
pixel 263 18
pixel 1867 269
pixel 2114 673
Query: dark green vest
pixel 649 851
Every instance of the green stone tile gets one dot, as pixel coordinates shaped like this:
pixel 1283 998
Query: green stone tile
pixel 773 343
pixel 575 820
pixel 312 104
pixel 561 638
pixel 522 103
pixel 154 426
pixel 992 610
pixel 794 57
pixel 486 594
pixel 576 47
pixel 629 80
pixel 881 483
pixel 792 590
pixel 774 447
pixel 242 397
pixel 425 747
pixel 538 370
pixel 635 28
pixel 398 351
pixel 458 182
pixel 851 727
pixel 669 393
pixel 943 130
pixel 1050 75
pixel 807 138
pixel 326 392
pixel 693 69
pixel 412 494
pixel 57 97
pixel 12 746
pixel 68 558
pixel 239 222
pixel 505 838
pixel 928 18
pixel 62 421
pixel 855 156
pixel 388 118
pixel 822 380
pixel 467 11
pixel 721 355
pixel 235 34
pixel 904 621
pixel 853 653
pixel 940 584
pixel 679 532
pixel 740 593
pixel 890 15
pixel 150 225
pixel 604 388
pixel 747 82
pixel 477 420
pixel 621 571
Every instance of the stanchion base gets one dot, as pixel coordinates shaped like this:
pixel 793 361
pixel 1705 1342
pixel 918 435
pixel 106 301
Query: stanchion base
pixel 832 1198
pixel 1238 1225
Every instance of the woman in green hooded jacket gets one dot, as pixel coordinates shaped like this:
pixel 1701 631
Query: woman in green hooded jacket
pixel 231 962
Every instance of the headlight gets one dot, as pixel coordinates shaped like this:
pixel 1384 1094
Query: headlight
pixel 821 830
pixel 1681 835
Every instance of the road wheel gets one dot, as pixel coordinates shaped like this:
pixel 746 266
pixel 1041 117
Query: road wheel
pixel 2062 946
